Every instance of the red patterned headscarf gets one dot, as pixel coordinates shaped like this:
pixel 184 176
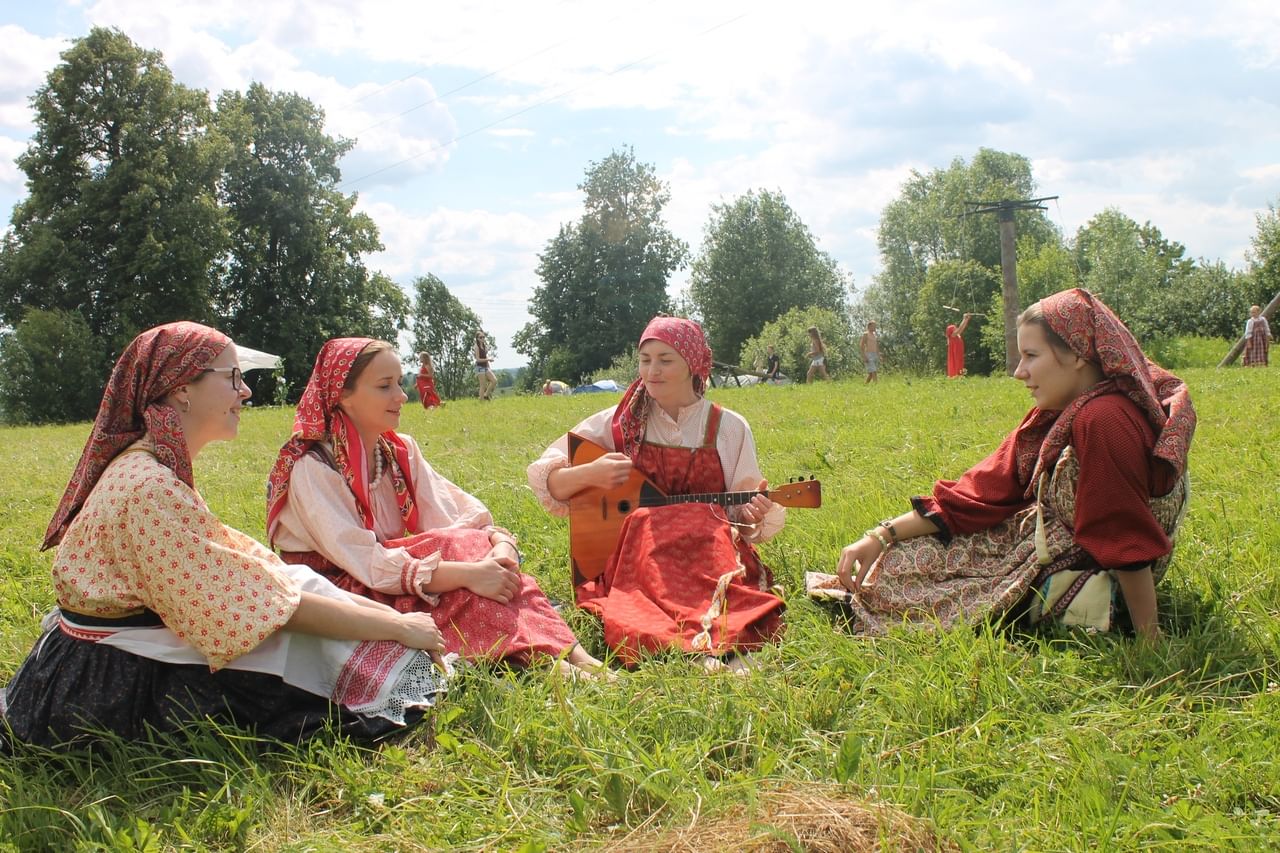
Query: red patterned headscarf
pixel 318 418
pixel 686 338
pixel 1095 333
pixel 153 364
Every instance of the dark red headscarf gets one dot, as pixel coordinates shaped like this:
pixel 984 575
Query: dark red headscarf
pixel 153 364
pixel 1095 333
pixel 318 418
pixel 686 338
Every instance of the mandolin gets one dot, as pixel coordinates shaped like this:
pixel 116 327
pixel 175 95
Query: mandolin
pixel 596 515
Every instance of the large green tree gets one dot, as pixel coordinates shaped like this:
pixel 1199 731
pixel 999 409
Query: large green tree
pixel 603 276
pixel 446 328
pixel 758 260
pixel 50 369
pixel 295 274
pixel 122 222
pixel 925 225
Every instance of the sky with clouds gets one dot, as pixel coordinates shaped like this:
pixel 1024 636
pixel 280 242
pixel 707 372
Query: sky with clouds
pixel 475 121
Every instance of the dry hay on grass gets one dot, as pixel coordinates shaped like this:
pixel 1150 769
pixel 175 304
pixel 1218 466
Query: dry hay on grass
pixel 813 818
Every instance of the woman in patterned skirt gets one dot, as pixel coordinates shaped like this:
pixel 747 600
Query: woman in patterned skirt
pixel 165 615
pixel 1087 490
pixel 683 576
pixel 1257 339
pixel 356 501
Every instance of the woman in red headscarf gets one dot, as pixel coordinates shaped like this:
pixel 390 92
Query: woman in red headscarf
pixel 683 576
pixel 356 501
pixel 955 348
pixel 1087 492
pixel 166 616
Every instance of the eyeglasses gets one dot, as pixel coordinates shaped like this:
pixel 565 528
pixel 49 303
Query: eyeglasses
pixel 235 375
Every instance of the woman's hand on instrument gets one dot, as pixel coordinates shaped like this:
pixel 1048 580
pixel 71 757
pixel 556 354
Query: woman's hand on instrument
pixel 855 562
pixel 497 578
pixel 610 471
pixel 760 506
pixel 419 631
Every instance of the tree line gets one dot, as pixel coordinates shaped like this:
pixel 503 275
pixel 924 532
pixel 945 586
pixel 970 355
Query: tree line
pixel 148 202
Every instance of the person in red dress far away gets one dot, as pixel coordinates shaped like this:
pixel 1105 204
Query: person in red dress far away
pixel 426 382
pixel 1084 496
pixel 682 576
pixel 356 501
pixel 955 347
pixel 166 616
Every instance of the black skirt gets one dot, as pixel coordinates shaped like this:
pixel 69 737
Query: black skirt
pixel 67 689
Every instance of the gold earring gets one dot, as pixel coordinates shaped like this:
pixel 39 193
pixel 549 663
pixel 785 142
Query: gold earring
pixel 186 405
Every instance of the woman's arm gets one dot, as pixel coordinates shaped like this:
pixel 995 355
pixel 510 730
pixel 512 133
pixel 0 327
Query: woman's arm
pixel 856 559
pixel 336 619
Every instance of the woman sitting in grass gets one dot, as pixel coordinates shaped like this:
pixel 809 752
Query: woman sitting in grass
pixel 682 576
pixel 168 616
pixel 1088 489
pixel 355 500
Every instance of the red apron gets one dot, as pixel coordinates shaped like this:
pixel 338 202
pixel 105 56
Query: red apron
pixel 659 588
pixel 475 627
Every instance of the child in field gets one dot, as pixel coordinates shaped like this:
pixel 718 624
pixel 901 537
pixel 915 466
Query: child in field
pixel 955 347
pixel 684 576
pixel 1257 334
pixel 356 501
pixel 1087 491
pixel 426 382
pixel 817 355
pixel 869 346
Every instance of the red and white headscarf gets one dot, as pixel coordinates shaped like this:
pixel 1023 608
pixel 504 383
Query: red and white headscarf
pixel 153 364
pixel 686 338
pixel 318 418
pixel 1095 333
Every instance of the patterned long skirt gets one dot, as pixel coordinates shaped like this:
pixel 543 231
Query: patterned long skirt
pixel 1257 348
pixel 474 627
pixel 927 582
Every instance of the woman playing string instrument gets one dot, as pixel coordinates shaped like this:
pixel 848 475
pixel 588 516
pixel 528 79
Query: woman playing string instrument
pixel 684 576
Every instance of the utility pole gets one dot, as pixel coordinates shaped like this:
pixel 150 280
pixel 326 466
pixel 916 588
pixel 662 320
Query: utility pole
pixel 1004 210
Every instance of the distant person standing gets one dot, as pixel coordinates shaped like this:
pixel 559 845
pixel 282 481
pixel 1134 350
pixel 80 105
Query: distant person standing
pixel 955 347
pixel 1257 339
pixel 426 382
pixel 817 355
pixel 773 369
pixel 484 374
pixel 870 348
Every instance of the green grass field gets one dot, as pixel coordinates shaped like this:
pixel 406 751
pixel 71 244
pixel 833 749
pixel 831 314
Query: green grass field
pixel 1057 741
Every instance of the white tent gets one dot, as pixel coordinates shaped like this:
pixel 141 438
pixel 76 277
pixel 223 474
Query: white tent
pixel 252 359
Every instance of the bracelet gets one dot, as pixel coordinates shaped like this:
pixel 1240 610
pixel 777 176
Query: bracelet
pixel 885 544
pixel 887 524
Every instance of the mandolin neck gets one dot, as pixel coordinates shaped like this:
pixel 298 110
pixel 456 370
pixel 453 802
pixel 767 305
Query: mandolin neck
pixel 720 498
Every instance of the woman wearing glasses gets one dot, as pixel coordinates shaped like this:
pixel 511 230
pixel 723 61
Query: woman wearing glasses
pixel 165 615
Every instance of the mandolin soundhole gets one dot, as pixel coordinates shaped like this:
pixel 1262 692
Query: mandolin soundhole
pixel 624 507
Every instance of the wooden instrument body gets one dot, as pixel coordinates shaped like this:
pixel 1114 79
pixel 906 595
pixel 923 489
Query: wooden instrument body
pixel 596 515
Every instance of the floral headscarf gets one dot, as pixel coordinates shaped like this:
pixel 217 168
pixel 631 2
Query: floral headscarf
pixel 686 338
pixel 1095 333
pixel 318 418
pixel 153 364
